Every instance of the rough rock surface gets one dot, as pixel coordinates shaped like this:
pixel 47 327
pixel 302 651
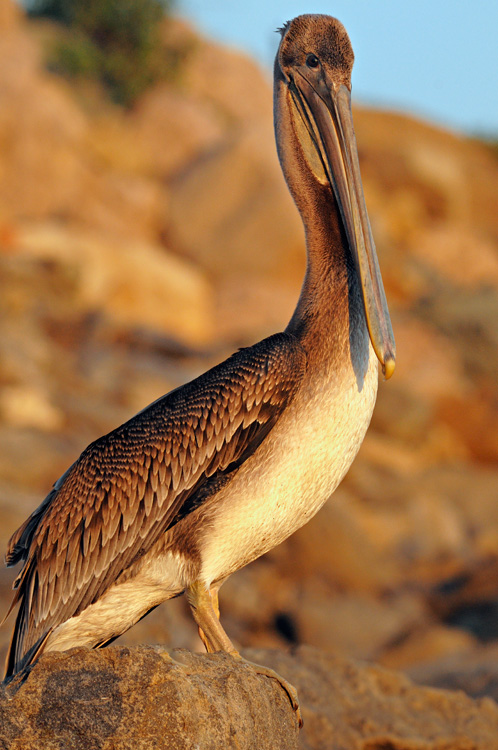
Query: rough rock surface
pixel 124 698
pixel 347 704
pixel 136 698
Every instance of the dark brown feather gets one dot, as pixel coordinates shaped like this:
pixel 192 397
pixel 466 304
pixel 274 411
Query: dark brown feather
pixel 132 485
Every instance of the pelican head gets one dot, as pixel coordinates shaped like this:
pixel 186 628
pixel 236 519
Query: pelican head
pixel 313 81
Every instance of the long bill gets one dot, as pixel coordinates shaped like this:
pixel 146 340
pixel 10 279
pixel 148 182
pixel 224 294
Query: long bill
pixel 330 121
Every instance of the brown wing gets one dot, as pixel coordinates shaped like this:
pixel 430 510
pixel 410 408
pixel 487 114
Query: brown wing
pixel 131 485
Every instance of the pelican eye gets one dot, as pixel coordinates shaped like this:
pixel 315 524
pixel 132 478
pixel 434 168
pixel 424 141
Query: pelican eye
pixel 312 61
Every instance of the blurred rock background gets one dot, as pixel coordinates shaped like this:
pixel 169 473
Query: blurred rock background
pixel 142 241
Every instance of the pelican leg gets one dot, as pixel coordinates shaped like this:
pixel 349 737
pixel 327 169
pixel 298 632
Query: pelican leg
pixel 204 605
pixel 214 598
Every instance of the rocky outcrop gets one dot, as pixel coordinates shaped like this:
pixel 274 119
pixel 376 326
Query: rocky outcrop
pixel 138 698
pixel 123 698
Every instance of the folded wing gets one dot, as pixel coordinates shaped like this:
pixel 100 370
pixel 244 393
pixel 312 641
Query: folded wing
pixel 132 485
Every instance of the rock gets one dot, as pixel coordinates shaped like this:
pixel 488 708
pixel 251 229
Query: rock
pixel 36 110
pixel 443 246
pixel 423 175
pixel 27 406
pixel 334 549
pixel 352 624
pixel 9 15
pixel 427 645
pixel 124 698
pixel 427 520
pixel 119 205
pixel 136 698
pixel 134 283
pixel 468 599
pixel 173 128
pixel 474 671
pixel 224 210
pixel 346 704
pixel 427 382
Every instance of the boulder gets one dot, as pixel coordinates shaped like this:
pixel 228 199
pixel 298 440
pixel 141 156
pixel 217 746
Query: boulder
pixel 124 698
pixel 138 698
pixel 135 284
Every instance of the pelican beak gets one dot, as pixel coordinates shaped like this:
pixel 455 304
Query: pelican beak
pixel 328 117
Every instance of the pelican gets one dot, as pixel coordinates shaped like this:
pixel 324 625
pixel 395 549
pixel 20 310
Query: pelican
pixel 219 471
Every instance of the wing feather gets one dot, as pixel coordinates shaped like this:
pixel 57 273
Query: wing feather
pixel 130 486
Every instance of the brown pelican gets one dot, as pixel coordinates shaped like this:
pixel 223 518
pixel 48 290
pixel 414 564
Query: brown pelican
pixel 222 469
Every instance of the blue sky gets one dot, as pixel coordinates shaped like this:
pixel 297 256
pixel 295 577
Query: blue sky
pixel 437 59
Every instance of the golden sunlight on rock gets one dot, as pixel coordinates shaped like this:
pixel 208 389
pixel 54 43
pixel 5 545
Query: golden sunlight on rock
pixel 136 284
pixel 27 407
